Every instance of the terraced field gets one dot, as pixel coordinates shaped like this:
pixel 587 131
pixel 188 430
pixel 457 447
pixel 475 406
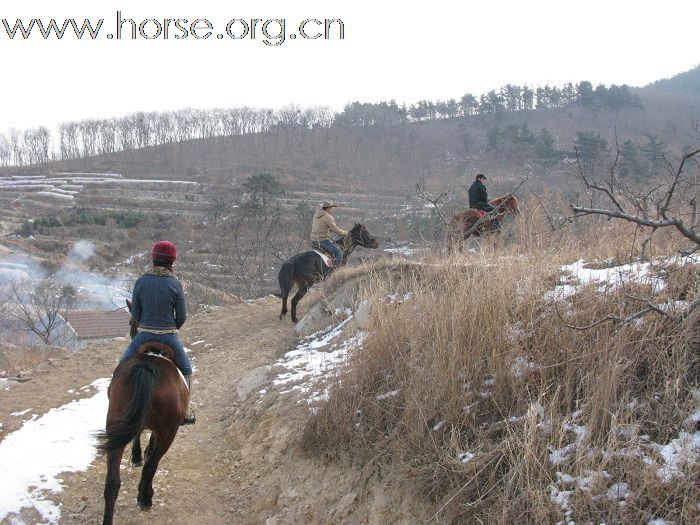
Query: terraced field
pixel 111 211
pixel 22 196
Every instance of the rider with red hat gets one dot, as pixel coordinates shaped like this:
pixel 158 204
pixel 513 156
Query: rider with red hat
pixel 158 307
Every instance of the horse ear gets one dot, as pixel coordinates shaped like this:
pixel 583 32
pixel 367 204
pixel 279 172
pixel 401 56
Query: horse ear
pixel 128 304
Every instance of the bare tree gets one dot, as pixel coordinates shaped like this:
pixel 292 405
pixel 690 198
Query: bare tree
pixel 663 206
pixel 40 310
pixel 671 204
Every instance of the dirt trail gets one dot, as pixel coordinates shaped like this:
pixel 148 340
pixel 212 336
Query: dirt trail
pixel 241 462
pixel 194 482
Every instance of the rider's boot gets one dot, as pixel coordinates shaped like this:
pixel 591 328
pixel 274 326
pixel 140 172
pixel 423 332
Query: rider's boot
pixel 190 418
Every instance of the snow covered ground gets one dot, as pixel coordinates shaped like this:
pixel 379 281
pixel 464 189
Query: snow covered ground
pixel 665 460
pixel 33 457
pixel 576 275
pixel 315 359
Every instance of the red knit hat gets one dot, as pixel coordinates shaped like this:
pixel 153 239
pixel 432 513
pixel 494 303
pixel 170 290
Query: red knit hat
pixel 165 251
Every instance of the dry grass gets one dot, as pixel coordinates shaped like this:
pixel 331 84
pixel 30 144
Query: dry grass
pixel 473 383
pixel 14 360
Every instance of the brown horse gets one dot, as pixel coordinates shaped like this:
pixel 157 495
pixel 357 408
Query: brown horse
pixel 478 223
pixel 306 269
pixel 147 392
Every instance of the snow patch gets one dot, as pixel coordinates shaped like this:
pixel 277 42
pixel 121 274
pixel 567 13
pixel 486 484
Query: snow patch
pixel 609 279
pixel 316 357
pixel 62 440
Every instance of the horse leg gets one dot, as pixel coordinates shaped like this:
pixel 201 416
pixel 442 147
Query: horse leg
pixel 158 448
pixel 149 448
pixel 286 282
pixel 295 300
pixel 136 457
pixel 112 484
pixel 285 295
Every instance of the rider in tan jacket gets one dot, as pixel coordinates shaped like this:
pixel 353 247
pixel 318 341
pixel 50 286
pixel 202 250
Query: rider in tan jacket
pixel 322 227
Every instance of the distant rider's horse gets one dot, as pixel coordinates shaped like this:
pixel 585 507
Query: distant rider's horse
pixel 479 223
pixel 305 269
pixel 147 392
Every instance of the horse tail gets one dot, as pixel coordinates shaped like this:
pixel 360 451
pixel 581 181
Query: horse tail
pixel 286 284
pixel 285 278
pixel 143 378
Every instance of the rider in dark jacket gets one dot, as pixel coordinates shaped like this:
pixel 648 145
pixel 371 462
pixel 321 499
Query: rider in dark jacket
pixel 479 199
pixel 158 308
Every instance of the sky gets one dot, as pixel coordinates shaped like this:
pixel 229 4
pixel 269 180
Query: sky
pixel 390 50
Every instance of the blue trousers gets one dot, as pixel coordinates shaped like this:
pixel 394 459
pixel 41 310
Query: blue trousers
pixel 181 359
pixel 330 247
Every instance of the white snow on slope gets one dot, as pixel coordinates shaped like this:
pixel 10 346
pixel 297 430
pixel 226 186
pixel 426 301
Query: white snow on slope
pixel 33 457
pixel 576 275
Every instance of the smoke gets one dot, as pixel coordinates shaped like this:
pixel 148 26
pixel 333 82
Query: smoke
pixel 13 272
pixel 82 250
pixel 93 290
pixel 16 269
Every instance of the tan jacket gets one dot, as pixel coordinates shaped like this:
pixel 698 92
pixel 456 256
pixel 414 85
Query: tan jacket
pixel 323 225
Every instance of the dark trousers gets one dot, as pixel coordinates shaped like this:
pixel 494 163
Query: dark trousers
pixel 486 206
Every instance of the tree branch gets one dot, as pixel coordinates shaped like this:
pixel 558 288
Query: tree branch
pixel 676 178
pixel 608 318
pixel 677 223
pixel 434 200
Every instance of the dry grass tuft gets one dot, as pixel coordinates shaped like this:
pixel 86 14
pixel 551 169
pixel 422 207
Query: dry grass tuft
pixel 14 360
pixel 472 383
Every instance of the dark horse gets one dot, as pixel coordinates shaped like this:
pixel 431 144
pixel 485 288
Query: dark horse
pixel 305 269
pixel 476 222
pixel 146 392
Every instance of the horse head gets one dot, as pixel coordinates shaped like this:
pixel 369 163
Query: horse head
pixel 510 205
pixel 507 205
pixel 361 237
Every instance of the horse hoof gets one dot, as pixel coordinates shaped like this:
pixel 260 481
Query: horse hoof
pixel 136 463
pixel 145 505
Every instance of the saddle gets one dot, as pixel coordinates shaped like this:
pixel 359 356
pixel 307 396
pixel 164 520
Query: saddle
pixel 161 350
pixel 327 256
pixel 154 347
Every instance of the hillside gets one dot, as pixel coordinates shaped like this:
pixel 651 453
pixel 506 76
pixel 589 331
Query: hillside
pixel 376 148
pixel 363 415
pixel 687 83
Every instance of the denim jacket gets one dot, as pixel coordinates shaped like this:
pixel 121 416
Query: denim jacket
pixel 158 302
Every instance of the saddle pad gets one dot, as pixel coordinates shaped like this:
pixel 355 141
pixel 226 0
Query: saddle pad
pixel 178 370
pixel 326 260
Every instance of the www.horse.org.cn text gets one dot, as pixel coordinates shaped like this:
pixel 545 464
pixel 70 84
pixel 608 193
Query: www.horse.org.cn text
pixel 270 31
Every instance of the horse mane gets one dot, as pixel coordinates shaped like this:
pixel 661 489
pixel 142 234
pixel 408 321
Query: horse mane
pixel 357 226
